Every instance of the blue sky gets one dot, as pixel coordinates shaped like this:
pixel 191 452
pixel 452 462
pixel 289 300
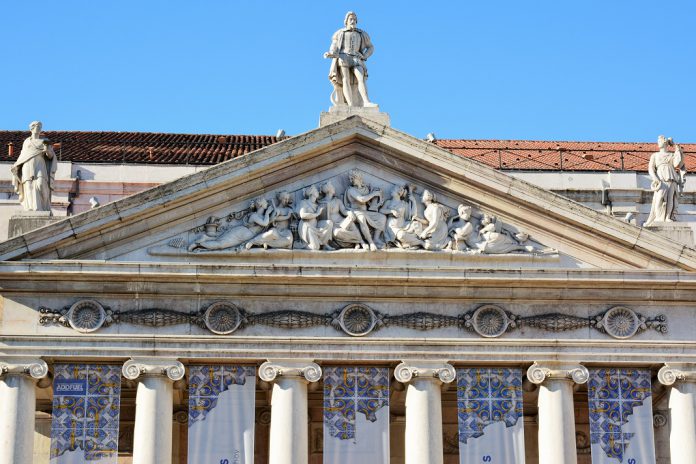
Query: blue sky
pixel 539 70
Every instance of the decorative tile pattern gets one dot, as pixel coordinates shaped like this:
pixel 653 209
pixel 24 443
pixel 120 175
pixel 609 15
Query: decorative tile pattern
pixel 86 409
pixel 613 395
pixel 206 383
pixel 486 396
pixel 349 391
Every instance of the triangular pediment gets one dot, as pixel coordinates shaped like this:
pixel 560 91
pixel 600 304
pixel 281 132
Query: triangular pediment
pixel 211 216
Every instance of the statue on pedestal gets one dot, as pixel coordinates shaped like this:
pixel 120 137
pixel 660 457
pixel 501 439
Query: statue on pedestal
pixel 350 48
pixel 667 172
pixel 34 171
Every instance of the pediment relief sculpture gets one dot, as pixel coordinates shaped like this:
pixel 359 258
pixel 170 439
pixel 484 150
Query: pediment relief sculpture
pixel 362 217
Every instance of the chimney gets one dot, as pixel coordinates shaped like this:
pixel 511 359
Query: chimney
pixel 10 149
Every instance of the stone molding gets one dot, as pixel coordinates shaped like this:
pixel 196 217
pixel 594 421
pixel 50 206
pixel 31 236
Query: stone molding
pixel 35 368
pixel 539 372
pixel 354 319
pixel 138 367
pixel 435 371
pixel 300 369
pixel 671 373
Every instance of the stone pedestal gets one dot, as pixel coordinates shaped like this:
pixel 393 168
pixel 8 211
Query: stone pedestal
pixel 340 112
pixel 677 231
pixel 682 410
pixel 289 435
pixel 556 416
pixel 26 221
pixel 423 435
pixel 18 407
pixel 154 410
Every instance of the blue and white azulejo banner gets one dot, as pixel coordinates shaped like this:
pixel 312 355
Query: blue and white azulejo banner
pixel 491 423
pixel 221 414
pixel 621 420
pixel 86 409
pixel 356 415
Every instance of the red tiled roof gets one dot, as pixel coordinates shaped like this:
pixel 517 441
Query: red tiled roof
pixel 530 155
pixel 206 149
pixel 140 147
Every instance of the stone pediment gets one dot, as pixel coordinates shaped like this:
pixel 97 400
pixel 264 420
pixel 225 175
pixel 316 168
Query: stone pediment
pixel 298 201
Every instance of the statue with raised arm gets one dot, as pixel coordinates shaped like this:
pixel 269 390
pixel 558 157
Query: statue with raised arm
pixel 667 172
pixel 34 171
pixel 350 48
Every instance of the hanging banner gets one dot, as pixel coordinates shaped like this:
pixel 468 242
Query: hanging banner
pixel 86 409
pixel 221 414
pixel 356 415
pixel 621 420
pixel 489 408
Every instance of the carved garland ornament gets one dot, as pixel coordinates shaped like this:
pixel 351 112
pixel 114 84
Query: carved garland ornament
pixel 355 319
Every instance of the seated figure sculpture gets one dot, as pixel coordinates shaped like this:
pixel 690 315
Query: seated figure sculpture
pixel 254 222
pixel 314 233
pixel 461 230
pixel 356 198
pixel 400 231
pixel 435 233
pixel 345 231
pixel 279 235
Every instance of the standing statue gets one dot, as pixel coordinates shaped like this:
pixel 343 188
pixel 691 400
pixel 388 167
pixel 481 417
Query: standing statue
pixel 350 48
pixel 34 171
pixel 667 172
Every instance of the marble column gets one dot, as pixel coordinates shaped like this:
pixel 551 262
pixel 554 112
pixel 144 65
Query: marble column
pixel 423 436
pixel 289 436
pixel 556 415
pixel 154 409
pixel 682 410
pixel 18 377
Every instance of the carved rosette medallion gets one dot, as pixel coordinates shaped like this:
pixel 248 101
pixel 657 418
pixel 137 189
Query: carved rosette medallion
pixel 357 320
pixel 222 318
pixel 490 321
pixel 621 322
pixel 86 316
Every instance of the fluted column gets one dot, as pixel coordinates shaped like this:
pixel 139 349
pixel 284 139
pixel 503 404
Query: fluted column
pixel 556 415
pixel 423 436
pixel 18 377
pixel 289 436
pixel 152 443
pixel 682 410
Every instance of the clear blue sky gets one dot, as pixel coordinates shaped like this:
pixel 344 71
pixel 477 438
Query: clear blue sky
pixel 548 70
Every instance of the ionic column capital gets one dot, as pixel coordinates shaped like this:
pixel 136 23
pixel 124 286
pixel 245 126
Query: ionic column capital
pixel 436 371
pixel 304 369
pixel 140 367
pixel 35 368
pixel 671 373
pixel 554 370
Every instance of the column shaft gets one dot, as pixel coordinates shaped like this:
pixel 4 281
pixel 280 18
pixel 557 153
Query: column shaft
pixel 152 443
pixel 556 423
pixel 17 412
pixel 424 422
pixel 289 438
pixel 682 407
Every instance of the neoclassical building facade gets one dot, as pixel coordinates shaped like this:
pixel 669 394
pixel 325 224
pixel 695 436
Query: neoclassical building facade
pixel 358 294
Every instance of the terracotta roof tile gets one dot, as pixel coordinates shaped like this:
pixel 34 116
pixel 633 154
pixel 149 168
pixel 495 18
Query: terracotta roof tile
pixel 208 149
pixel 140 147
pixel 532 155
